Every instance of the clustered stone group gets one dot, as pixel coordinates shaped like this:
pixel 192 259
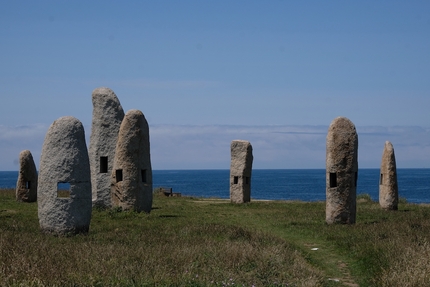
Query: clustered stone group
pixel 116 169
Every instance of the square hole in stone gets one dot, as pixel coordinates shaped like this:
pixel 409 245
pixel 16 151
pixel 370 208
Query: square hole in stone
pixel 235 179
pixel 118 175
pixel 63 190
pixel 103 164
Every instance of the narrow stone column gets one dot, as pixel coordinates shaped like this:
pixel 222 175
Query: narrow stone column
pixel 388 189
pixel 64 189
pixel 26 186
pixel 341 171
pixel 240 171
pixel 131 180
pixel 107 118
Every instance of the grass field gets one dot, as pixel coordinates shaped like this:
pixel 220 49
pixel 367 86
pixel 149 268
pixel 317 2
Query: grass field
pixel 210 242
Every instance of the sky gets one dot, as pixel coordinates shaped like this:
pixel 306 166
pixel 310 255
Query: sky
pixel 205 73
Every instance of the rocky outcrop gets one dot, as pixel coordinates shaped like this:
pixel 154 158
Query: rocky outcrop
pixel 26 186
pixel 107 117
pixel 341 171
pixel 131 182
pixel 64 188
pixel 388 189
pixel 240 171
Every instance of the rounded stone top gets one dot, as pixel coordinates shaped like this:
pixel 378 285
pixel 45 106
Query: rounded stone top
pixel 102 91
pixel 342 123
pixel 24 153
pixel 66 123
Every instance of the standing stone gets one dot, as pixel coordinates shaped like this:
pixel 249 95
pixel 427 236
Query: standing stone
pixel 341 171
pixel 131 185
pixel 240 171
pixel 107 118
pixel 388 189
pixel 64 190
pixel 26 186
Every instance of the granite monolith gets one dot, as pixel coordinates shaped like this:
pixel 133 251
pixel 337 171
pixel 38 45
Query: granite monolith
pixel 26 185
pixel 64 187
pixel 240 171
pixel 107 117
pixel 341 171
pixel 388 188
pixel 131 181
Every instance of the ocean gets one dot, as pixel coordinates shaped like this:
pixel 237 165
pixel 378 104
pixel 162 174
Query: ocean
pixel 276 184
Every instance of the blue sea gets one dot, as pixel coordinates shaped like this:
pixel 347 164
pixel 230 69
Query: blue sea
pixel 276 184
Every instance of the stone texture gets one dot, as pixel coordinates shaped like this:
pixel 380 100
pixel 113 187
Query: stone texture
pixel 131 185
pixel 107 117
pixel 240 171
pixel 341 171
pixel 64 159
pixel 26 186
pixel 388 189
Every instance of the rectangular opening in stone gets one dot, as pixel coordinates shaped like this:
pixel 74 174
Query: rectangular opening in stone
pixel 381 179
pixel 143 174
pixel 235 179
pixel 247 180
pixel 333 179
pixel 28 184
pixel 103 164
pixel 356 178
pixel 118 175
pixel 63 189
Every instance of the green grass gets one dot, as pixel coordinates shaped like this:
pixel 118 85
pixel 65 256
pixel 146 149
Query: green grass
pixel 208 242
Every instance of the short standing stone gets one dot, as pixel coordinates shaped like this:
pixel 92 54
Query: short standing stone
pixel 131 185
pixel 341 171
pixel 26 186
pixel 64 189
pixel 107 118
pixel 388 189
pixel 240 171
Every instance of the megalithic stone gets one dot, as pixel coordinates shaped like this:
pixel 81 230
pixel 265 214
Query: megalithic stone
pixel 341 171
pixel 388 188
pixel 107 117
pixel 131 182
pixel 64 188
pixel 240 171
pixel 26 186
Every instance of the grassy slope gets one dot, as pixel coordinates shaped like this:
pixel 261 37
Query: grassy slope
pixel 201 242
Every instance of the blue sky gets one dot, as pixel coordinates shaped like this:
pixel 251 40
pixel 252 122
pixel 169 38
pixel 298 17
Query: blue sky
pixel 204 73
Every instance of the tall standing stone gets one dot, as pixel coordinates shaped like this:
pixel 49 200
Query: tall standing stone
pixel 240 171
pixel 341 171
pixel 132 173
pixel 388 189
pixel 107 117
pixel 26 186
pixel 64 189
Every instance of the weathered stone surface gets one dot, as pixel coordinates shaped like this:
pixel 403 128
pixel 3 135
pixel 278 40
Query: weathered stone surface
pixel 131 185
pixel 341 171
pixel 240 171
pixel 107 117
pixel 388 189
pixel 26 186
pixel 64 164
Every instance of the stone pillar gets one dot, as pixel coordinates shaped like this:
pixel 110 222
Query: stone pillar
pixel 64 189
pixel 26 186
pixel 107 118
pixel 131 181
pixel 341 171
pixel 388 189
pixel 240 171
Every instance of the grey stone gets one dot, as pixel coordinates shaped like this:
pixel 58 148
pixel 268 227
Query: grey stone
pixel 132 173
pixel 107 117
pixel 240 171
pixel 388 189
pixel 64 189
pixel 26 186
pixel 341 171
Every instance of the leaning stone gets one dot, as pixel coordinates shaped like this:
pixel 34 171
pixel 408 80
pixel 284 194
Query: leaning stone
pixel 64 189
pixel 341 171
pixel 26 186
pixel 107 118
pixel 240 171
pixel 131 182
pixel 388 189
